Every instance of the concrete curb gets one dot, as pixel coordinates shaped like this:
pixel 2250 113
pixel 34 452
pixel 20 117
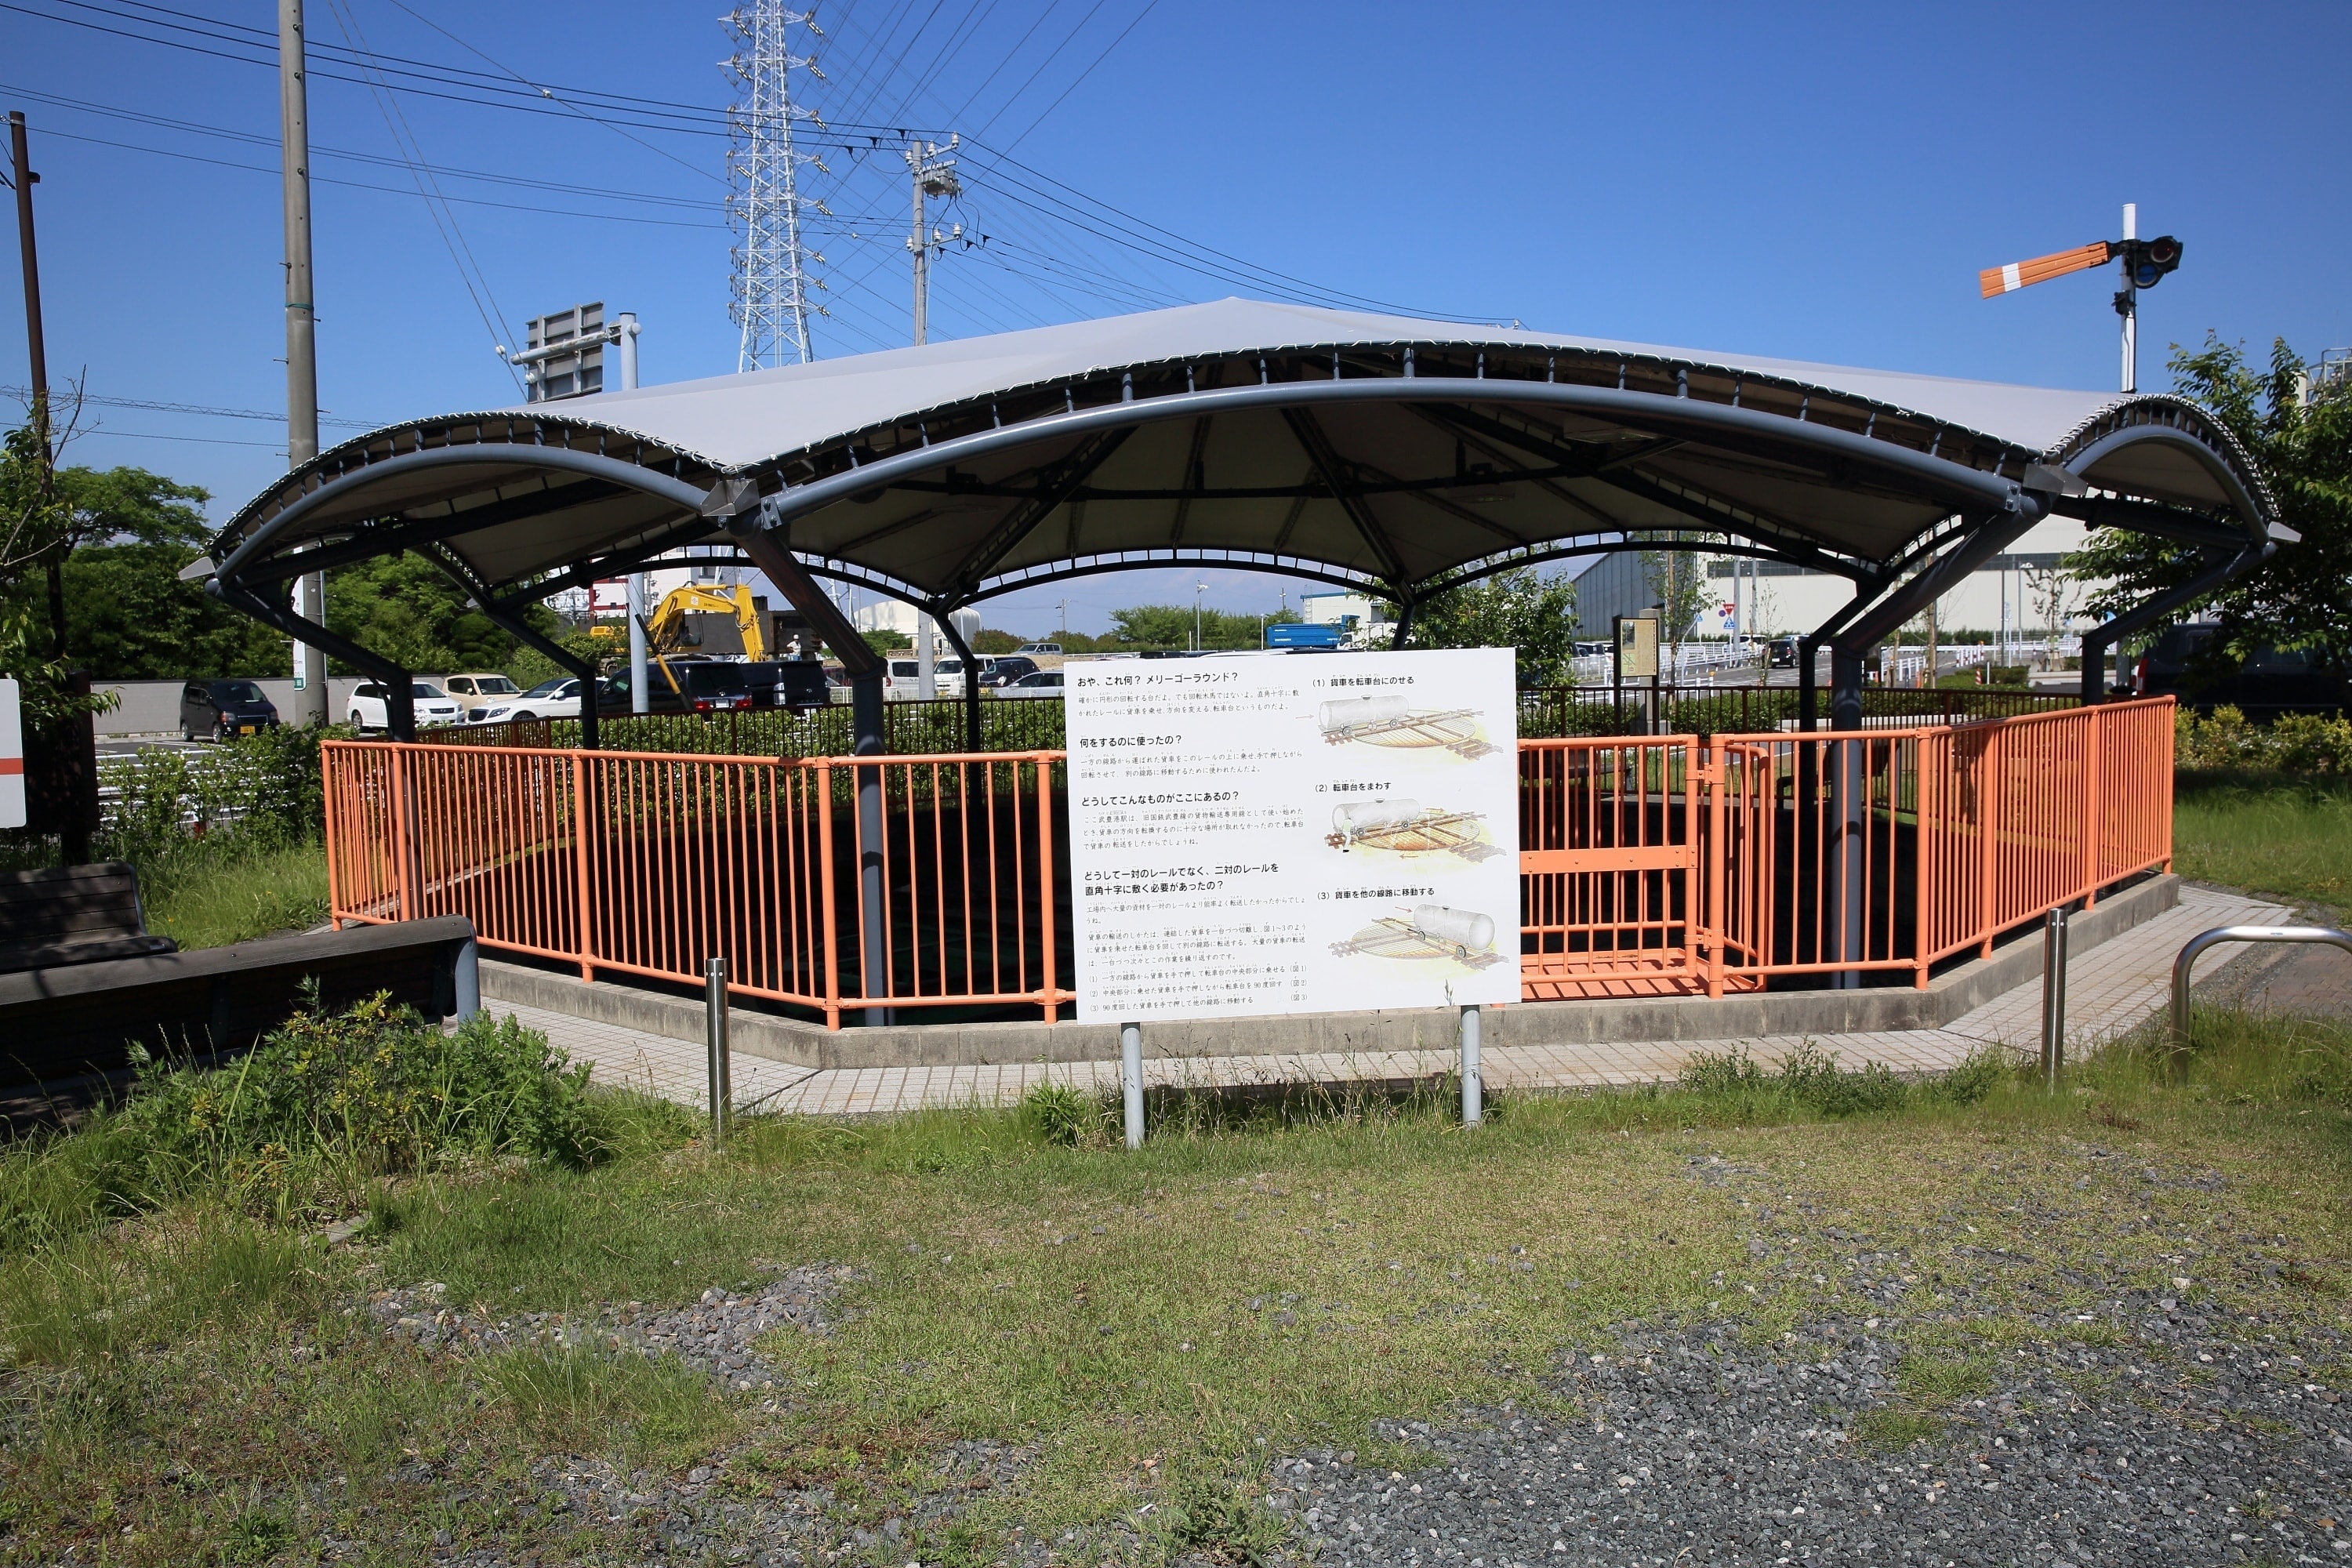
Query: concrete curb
pixel 1815 1012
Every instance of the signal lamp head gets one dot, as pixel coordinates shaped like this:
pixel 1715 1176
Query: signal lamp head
pixel 2151 259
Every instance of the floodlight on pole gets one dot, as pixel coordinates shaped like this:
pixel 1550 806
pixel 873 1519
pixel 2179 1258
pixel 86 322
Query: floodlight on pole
pixel 2145 263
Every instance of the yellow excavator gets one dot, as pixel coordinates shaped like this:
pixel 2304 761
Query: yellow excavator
pixel 666 627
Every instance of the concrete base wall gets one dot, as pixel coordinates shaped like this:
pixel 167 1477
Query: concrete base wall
pixel 1964 988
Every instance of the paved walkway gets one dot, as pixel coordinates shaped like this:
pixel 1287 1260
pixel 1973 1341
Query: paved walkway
pixel 2111 989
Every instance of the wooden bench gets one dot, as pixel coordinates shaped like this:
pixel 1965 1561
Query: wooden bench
pixel 76 997
pixel 80 915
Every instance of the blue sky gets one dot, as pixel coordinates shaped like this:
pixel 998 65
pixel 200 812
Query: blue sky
pixel 1819 183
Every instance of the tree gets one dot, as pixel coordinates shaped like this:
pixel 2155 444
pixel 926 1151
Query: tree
pixel 992 642
pixel 407 610
pixel 1524 610
pixel 128 614
pixel 2300 598
pixel 1678 579
pixel 1155 626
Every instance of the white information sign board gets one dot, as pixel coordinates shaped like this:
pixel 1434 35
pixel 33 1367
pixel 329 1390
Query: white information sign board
pixel 1258 834
pixel 11 753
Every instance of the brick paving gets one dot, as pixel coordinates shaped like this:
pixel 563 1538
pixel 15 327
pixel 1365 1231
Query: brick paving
pixel 2111 989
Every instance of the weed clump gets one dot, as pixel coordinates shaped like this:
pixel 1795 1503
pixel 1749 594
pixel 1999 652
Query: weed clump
pixel 325 1105
pixel 1214 1517
pixel 1062 1113
pixel 1810 1080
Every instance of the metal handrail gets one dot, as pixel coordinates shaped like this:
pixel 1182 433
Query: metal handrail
pixel 2219 934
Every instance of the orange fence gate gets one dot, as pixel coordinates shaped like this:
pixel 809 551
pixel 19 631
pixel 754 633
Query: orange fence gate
pixel 1651 866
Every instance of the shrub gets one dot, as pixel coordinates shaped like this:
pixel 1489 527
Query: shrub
pixel 322 1108
pixel 378 1086
pixel 2225 740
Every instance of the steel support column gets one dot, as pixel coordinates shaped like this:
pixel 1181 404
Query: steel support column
pixel 945 619
pixel 2099 638
pixel 399 700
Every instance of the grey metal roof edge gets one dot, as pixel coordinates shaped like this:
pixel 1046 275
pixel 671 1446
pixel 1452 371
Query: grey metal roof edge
pixel 1734 373
pixel 296 483
pixel 2211 431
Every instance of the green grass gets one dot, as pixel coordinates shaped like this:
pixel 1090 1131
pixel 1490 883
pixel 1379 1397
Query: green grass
pixel 1149 1327
pixel 2272 834
pixel 201 898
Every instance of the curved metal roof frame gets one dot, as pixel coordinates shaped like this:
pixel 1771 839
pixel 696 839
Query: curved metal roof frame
pixel 1395 456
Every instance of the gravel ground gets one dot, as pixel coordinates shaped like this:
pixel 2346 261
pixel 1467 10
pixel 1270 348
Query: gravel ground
pixel 2159 1426
pixel 2204 1442
pixel 715 1336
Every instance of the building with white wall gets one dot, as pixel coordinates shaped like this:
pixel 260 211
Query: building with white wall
pixel 2023 592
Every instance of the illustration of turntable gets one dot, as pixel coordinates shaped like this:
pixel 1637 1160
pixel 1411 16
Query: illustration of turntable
pixel 1394 721
pixel 1432 931
pixel 1408 827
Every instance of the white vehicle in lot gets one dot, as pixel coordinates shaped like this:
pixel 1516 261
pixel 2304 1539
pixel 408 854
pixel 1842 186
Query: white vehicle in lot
pixel 902 680
pixel 370 703
pixel 557 698
pixel 1039 683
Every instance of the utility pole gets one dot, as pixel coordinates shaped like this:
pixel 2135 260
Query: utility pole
pixel 66 764
pixel 2128 302
pixel 37 347
pixel 301 337
pixel 933 177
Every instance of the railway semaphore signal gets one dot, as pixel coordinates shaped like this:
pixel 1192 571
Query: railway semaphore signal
pixel 2145 263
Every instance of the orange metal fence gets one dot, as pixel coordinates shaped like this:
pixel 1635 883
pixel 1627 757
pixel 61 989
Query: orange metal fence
pixel 1648 866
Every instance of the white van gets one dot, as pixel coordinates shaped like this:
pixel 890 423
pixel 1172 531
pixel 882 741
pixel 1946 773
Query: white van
pixel 901 681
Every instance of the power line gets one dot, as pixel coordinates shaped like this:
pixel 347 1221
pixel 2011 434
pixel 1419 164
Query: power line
pixel 1082 76
pixel 412 151
pixel 387 190
pixel 266 416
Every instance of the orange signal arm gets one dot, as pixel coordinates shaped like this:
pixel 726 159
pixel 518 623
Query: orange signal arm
pixel 2017 275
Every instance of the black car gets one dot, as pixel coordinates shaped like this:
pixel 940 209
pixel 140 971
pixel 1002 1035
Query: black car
pixel 1781 653
pixel 224 709
pixel 1006 669
pixel 720 686
pixel 2270 681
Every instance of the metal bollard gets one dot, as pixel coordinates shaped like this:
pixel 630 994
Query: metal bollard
pixel 723 1090
pixel 2187 960
pixel 2054 993
pixel 1130 1080
pixel 1474 1107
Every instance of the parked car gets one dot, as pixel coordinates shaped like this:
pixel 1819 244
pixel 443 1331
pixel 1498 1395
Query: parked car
pixel 432 705
pixel 724 686
pixel 1036 683
pixel 902 679
pixel 222 708
pixel 1006 669
pixel 472 691
pixel 2270 681
pixel 1039 648
pixel 556 698
pixel 1780 653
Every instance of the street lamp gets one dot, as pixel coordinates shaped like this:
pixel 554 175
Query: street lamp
pixel 1198 589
